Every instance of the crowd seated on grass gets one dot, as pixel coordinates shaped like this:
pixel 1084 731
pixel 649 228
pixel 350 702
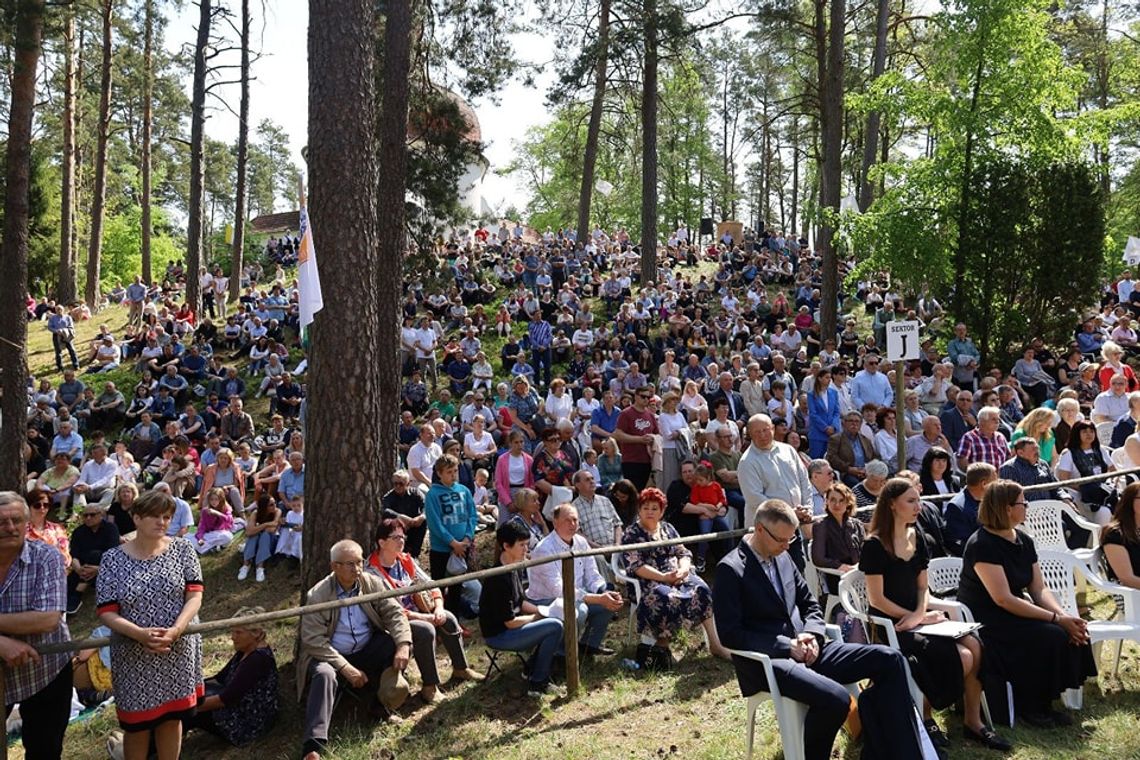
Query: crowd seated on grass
pixel 545 387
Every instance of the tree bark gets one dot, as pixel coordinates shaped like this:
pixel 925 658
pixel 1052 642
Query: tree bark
pixel 99 191
pixel 27 44
pixel 65 291
pixel 831 128
pixel 792 227
pixel 238 250
pixel 343 483
pixel 390 200
pixel 870 146
pixel 197 210
pixel 594 130
pixel 649 147
pixel 147 129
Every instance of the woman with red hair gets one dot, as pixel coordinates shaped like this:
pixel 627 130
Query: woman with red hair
pixel 672 594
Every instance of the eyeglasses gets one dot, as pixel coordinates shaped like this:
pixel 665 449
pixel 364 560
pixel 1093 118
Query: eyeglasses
pixel 397 537
pixel 41 505
pixel 777 539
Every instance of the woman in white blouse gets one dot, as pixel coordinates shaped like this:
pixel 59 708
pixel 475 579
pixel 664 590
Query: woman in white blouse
pixel 886 440
pixel 671 425
pixel 559 405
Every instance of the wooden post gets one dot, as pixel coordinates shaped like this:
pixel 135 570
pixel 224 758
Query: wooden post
pixel 900 405
pixel 3 701
pixel 570 626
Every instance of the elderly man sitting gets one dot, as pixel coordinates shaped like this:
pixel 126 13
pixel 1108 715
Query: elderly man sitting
pixel 349 645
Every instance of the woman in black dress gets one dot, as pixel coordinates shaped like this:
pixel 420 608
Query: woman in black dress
pixel 1033 645
pixel 894 560
pixel 1121 539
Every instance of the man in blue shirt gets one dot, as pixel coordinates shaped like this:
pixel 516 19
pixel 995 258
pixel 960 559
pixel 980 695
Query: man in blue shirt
pixel 291 486
pixel 603 420
pixel 136 294
pixel 869 386
pixel 961 512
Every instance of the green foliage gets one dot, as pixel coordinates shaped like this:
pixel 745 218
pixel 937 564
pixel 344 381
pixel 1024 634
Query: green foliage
pixel 122 246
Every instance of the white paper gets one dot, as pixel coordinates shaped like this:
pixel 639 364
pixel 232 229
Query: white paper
pixel 949 628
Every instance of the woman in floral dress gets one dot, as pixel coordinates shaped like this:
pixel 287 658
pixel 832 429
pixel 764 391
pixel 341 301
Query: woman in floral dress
pixel 149 590
pixel 672 594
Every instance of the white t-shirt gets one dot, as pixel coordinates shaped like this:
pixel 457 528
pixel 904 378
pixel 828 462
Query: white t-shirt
pixel 516 469
pixel 484 445
pixel 423 458
pixel 667 424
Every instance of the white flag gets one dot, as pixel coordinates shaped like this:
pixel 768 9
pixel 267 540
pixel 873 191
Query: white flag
pixel 308 278
pixel 605 188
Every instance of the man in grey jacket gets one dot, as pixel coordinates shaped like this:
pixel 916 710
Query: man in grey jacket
pixel 347 646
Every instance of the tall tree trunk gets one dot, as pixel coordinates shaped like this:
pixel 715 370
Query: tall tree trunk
pixel 594 130
pixel 649 147
pixel 65 290
pixel 831 128
pixel 29 20
pixel 966 188
pixel 99 191
pixel 197 211
pixel 147 128
pixel 1103 67
pixel 392 234
pixel 795 174
pixel 870 147
pixel 238 250
pixel 344 439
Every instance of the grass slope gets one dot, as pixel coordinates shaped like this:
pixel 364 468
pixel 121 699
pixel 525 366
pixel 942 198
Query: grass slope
pixel 693 712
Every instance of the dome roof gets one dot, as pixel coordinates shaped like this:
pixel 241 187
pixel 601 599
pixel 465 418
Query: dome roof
pixel 472 132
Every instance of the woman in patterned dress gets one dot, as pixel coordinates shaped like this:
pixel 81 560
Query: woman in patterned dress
pixel 241 701
pixel 149 590
pixel 672 595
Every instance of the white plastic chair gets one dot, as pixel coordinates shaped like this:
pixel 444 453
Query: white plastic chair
pixel 790 714
pixel 1058 569
pixel 943 574
pixel 853 593
pixel 618 564
pixel 1043 522
pixel 1104 432
pixel 814 577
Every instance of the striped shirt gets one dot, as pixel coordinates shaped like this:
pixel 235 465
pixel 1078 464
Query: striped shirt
pixel 35 583
pixel 540 334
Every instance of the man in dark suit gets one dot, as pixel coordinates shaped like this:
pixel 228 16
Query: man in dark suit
pixel 762 604
pixel 736 410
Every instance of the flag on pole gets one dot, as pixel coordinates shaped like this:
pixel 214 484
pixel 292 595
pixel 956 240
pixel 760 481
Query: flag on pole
pixel 308 278
pixel 1132 252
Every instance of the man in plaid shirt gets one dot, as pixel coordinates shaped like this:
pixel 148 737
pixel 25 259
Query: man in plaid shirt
pixel 984 443
pixel 33 597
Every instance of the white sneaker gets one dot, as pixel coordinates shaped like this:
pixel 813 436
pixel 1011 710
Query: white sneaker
pixel 260 575
pixel 244 572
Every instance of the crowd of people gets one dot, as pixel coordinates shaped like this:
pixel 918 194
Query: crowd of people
pixel 610 412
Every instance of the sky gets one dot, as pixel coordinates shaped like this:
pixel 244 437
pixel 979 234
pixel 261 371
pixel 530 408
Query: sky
pixel 280 91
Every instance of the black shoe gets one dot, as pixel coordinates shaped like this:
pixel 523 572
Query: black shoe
pixel 1060 718
pixel 987 738
pixel 937 736
pixel 592 651
pixel 699 566
pixel 1037 719
pixel 641 657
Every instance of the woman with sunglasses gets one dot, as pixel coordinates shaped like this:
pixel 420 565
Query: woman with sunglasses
pixel 41 529
pixel 1031 643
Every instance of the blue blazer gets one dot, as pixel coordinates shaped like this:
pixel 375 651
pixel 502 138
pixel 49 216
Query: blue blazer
pixel 750 616
pixel 823 414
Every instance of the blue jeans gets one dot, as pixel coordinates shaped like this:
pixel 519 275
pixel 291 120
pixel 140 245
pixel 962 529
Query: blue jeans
pixel 710 525
pixel 260 547
pixel 544 636
pixel 593 619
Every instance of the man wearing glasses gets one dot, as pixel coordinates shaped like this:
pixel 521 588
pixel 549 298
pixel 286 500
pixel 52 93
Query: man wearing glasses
pixel 762 604
pixel 869 386
pixel 773 470
pixel 635 429
pixel 94 536
pixel 347 646
pixel 32 599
